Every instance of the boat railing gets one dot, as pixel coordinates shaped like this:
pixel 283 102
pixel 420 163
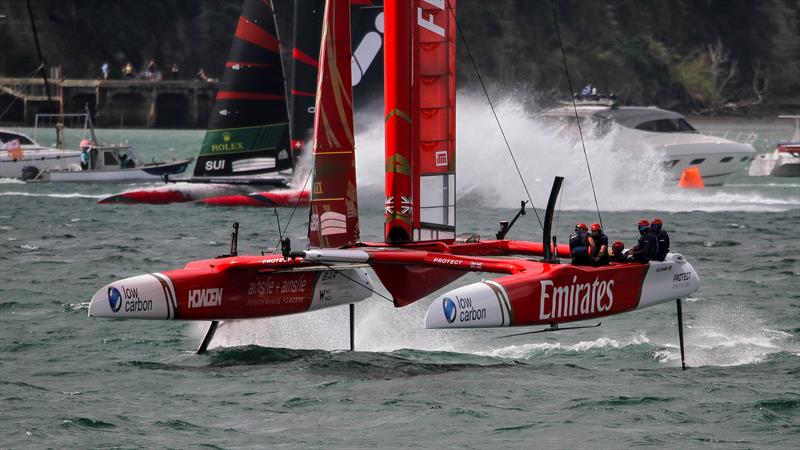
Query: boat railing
pixel 60 123
pixel 742 137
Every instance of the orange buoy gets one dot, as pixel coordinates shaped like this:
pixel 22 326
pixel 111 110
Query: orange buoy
pixel 691 179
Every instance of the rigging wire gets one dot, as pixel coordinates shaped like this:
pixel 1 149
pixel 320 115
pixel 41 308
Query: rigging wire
pixel 29 90
pixel 296 205
pixel 496 119
pixel 575 108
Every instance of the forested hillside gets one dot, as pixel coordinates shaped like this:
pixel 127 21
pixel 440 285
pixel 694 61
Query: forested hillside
pixel 733 56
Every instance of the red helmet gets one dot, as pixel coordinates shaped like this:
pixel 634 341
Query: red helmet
pixel 655 225
pixel 617 246
pixel 644 223
pixel 581 226
pixel 85 143
pixel 595 227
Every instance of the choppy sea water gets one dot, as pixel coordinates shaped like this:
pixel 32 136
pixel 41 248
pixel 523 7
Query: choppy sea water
pixel 68 381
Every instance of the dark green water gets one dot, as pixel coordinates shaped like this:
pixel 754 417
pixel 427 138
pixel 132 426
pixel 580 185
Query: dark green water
pixel 68 381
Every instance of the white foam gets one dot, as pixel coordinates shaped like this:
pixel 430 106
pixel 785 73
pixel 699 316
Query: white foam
pixel 380 327
pixel 727 335
pixel 487 173
pixel 11 181
pixel 537 348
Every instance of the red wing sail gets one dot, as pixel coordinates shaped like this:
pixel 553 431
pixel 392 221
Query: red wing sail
pixel 420 120
pixel 333 220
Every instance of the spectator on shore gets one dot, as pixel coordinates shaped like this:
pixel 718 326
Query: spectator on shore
pixel 201 75
pixel 151 70
pixel 128 71
pixel 104 69
pixel 174 70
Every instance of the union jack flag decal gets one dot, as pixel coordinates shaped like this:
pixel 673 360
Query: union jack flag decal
pixel 388 205
pixel 406 205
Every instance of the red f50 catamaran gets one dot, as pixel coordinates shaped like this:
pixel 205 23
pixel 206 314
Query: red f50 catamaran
pixel 421 252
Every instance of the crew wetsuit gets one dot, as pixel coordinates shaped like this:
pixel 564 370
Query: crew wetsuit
pixel 579 248
pixel 646 248
pixel 600 240
pixel 618 257
pixel 663 245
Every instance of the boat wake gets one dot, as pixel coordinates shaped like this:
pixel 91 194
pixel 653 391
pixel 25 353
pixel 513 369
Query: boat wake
pixel 728 335
pixel 716 336
pixel 52 195
pixel 487 174
pixel 538 350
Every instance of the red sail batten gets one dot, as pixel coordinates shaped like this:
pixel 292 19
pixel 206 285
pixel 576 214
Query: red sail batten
pixel 305 94
pixel 230 95
pixel 300 56
pixel 333 220
pixel 252 33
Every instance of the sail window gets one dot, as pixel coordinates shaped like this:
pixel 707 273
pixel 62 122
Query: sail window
pixel 745 158
pixel 437 200
pixel 726 159
pixel 697 161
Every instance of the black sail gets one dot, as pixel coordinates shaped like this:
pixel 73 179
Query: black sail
pixel 367 30
pixel 305 60
pixel 367 63
pixel 248 132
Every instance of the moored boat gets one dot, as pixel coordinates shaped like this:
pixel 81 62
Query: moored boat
pixel 115 163
pixel 23 158
pixel 784 161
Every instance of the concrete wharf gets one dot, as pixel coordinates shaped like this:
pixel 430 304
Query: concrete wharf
pixel 134 103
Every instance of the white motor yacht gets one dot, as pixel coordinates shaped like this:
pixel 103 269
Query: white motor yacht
pixel 667 132
pixel 21 157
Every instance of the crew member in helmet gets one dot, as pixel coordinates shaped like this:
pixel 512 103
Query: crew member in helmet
pixel 581 245
pixel 647 246
pixel 618 252
pixel 85 158
pixel 661 237
pixel 600 249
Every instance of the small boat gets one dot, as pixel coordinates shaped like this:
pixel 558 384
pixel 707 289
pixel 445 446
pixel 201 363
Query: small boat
pixel 23 158
pixel 115 163
pixel 680 145
pixel 784 161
